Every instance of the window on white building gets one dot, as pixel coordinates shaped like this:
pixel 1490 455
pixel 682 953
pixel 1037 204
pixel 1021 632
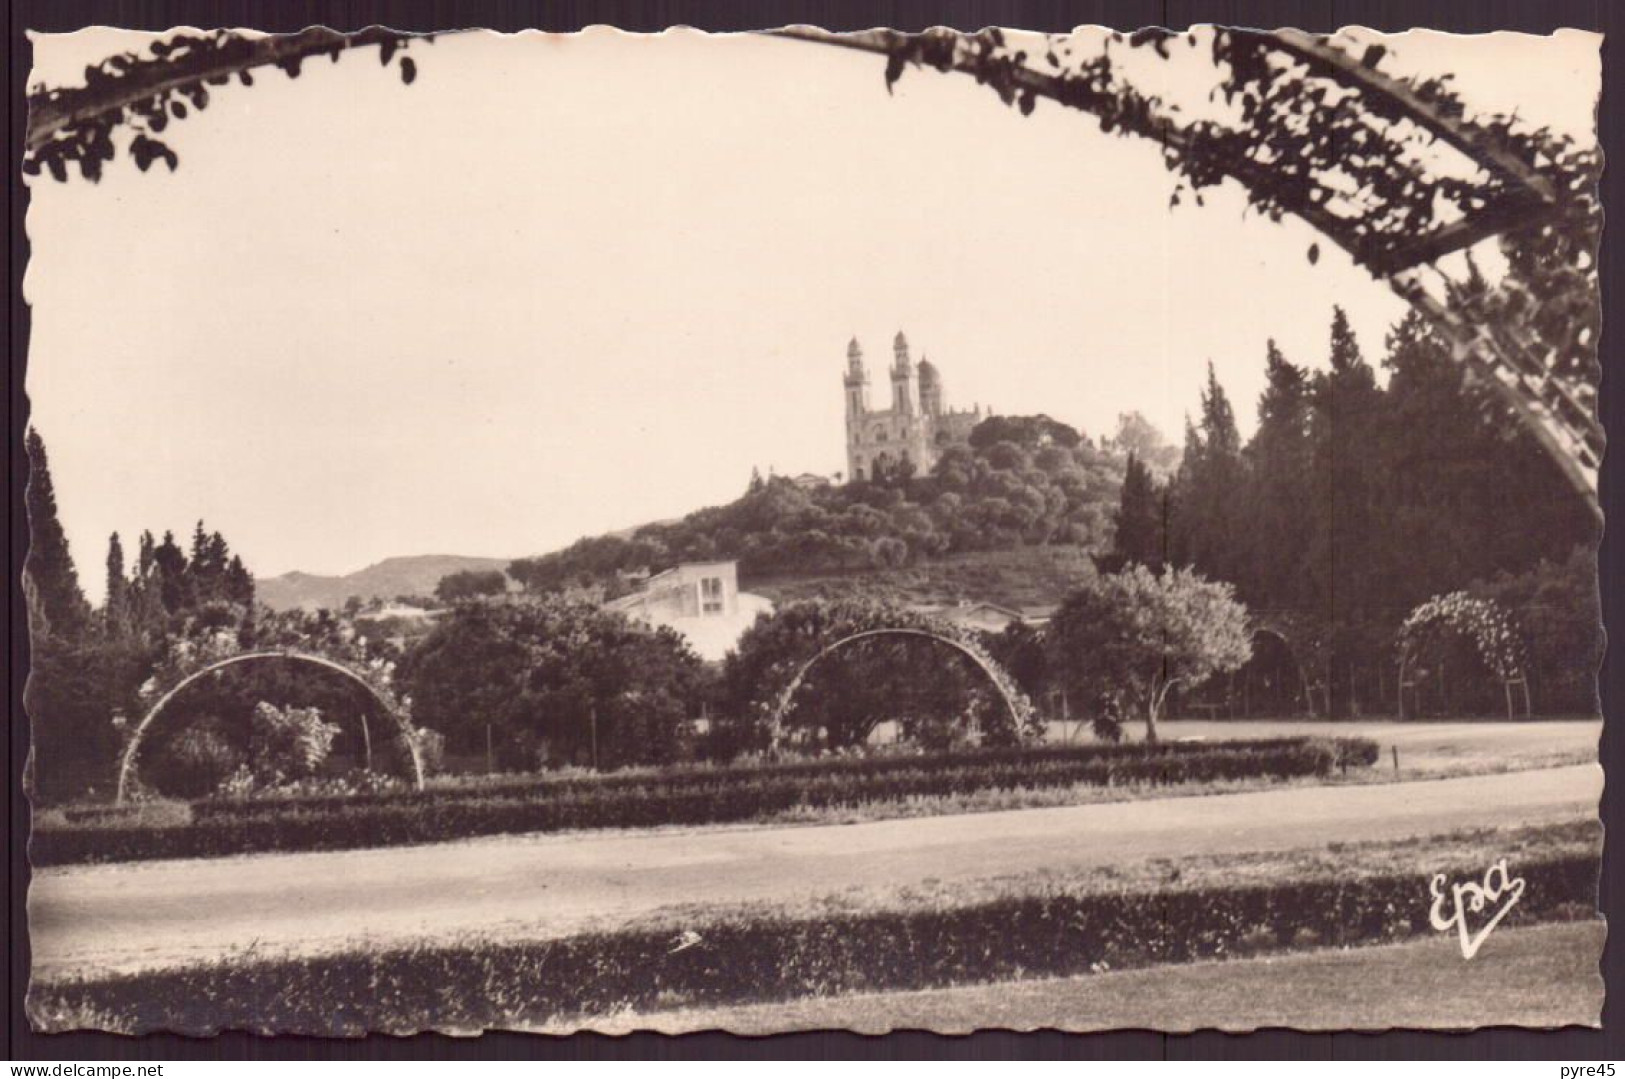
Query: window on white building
pixel 711 595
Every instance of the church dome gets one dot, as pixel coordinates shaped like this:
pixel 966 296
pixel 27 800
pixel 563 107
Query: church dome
pixel 900 341
pixel 928 374
pixel 854 350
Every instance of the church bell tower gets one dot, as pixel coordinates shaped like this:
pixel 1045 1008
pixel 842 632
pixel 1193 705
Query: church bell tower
pixel 902 378
pixel 857 381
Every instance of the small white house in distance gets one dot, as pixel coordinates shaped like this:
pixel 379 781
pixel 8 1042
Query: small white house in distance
pixel 700 600
pixel 976 615
pixel 397 623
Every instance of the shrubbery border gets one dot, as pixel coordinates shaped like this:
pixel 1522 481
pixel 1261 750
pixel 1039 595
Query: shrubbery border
pixel 745 959
pixel 698 797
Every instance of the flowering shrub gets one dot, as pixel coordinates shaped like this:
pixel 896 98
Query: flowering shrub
pixel 197 760
pixel 431 749
pixel 287 743
pixel 243 783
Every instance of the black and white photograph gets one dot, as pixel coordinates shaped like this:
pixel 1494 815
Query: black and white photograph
pixel 796 530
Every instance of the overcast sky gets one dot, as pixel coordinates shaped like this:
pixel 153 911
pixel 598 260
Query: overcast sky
pixel 565 285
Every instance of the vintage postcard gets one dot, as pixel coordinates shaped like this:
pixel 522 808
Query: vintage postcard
pixel 788 530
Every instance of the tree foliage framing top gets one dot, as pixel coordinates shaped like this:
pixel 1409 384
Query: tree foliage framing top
pixel 1392 169
pixel 75 125
pixel 1306 127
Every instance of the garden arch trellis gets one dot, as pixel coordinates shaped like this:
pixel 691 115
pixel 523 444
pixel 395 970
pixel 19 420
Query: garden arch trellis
pixel 408 737
pixel 1305 690
pixel 994 674
pixel 1478 620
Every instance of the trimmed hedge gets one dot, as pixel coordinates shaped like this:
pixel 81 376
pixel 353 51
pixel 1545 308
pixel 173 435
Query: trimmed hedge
pixel 755 958
pixel 1346 751
pixel 694 797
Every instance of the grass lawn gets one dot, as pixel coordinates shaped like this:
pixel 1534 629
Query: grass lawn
pixel 1540 976
pixel 1427 749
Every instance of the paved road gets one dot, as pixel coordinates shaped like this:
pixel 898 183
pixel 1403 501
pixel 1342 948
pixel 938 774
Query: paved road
pixel 125 917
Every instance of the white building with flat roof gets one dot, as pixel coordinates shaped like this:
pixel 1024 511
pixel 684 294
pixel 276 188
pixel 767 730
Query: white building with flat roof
pixel 700 600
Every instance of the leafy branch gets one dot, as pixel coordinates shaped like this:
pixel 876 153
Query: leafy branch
pixel 1390 169
pixel 145 93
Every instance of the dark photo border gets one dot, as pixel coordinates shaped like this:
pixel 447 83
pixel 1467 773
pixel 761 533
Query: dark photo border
pixel 1539 16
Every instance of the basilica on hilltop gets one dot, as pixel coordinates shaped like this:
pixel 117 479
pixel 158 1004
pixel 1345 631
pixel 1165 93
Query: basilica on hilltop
pixel 918 426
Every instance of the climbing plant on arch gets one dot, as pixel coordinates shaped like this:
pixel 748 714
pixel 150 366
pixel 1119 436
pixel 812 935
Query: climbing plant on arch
pixel 1482 622
pixel 179 676
pixel 783 652
pixel 1309 641
pixel 1276 630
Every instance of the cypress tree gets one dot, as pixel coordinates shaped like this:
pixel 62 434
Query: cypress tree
pixel 169 575
pixel 114 607
pixel 207 572
pixel 142 597
pixel 1181 515
pixel 1343 575
pixel 145 555
pixel 1210 483
pixel 1139 518
pixel 200 542
pixel 1467 492
pixel 1219 433
pixel 56 603
pixel 1346 356
pixel 1278 505
pixel 239 583
pixel 199 571
pixel 69 733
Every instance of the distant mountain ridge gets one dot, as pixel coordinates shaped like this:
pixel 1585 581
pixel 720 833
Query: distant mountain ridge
pixel 408 575
pixel 1022 578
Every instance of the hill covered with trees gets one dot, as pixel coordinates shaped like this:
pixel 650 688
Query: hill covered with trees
pixel 1023 482
pixel 1021 578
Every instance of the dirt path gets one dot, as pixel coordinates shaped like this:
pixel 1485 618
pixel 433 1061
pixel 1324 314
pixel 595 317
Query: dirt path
pixel 124 917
